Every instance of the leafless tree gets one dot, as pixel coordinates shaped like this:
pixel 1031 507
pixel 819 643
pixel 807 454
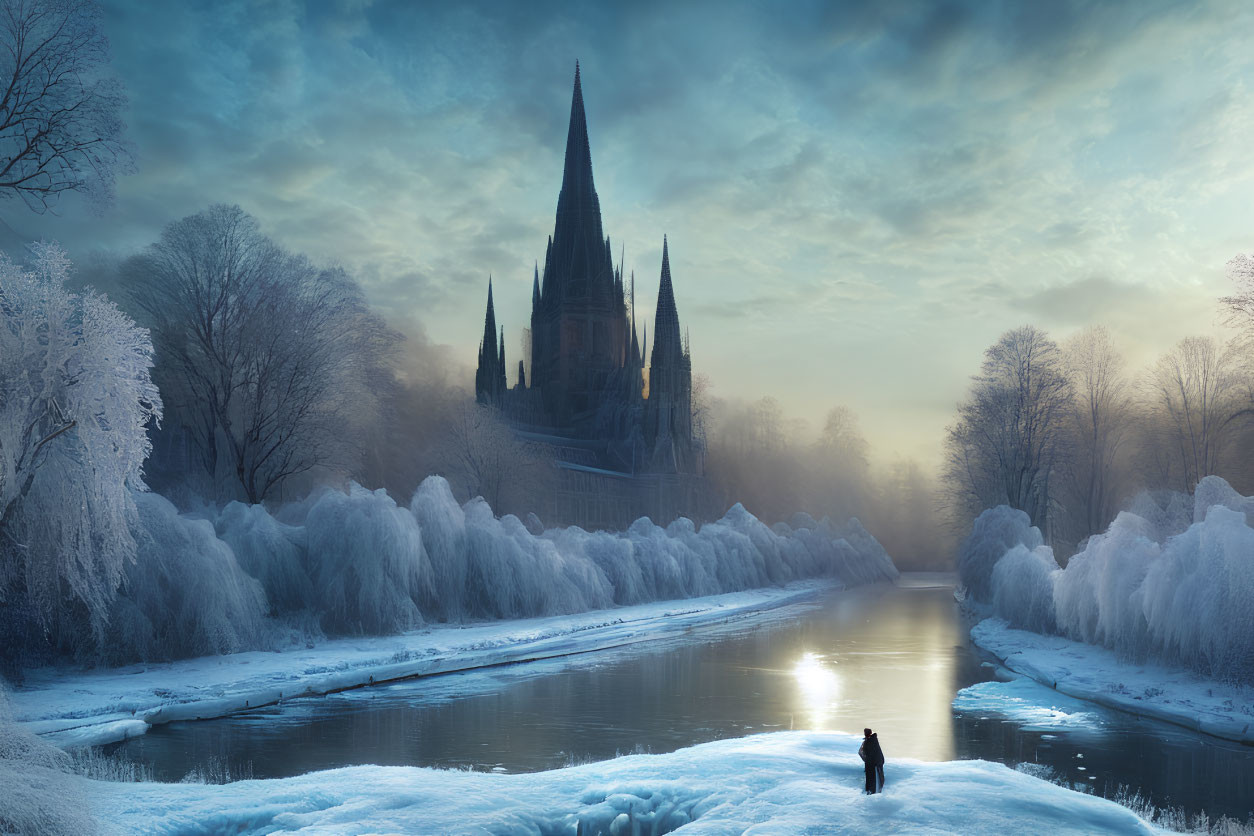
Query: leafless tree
pixel 1006 446
pixel 1195 390
pixel 481 456
pixel 61 128
pixel 1099 427
pixel 267 362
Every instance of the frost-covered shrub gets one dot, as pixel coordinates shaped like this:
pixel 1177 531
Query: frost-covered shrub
pixel 1150 586
pixel 271 552
pixel 1097 597
pixel 185 595
pixel 1023 588
pixel 1168 512
pixel 995 532
pixel 366 561
pixel 1198 597
pixel 37 795
pixel 1213 491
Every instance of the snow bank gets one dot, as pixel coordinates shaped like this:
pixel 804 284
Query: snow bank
pixel 79 708
pixel 1186 597
pixel 786 782
pixel 1099 675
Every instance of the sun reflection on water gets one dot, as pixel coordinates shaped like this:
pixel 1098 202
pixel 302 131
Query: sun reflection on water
pixel 819 686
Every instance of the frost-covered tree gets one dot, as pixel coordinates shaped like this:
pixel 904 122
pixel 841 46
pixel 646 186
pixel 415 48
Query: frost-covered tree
pixel 75 401
pixel 1007 444
pixel 61 127
pixel 269 365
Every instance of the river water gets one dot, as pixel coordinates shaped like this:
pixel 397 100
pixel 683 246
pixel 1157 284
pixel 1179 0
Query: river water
pixel 888 657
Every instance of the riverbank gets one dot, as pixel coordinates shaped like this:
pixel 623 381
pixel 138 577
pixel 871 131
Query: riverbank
pixel 783 782
pixel 73 708
pixel 1099 675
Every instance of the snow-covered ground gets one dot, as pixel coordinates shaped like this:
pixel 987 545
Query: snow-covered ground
pixel 1097 674
pixel 779 783
pixel 72 707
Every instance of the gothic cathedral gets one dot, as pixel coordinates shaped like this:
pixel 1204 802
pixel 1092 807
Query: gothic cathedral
pixel 621 432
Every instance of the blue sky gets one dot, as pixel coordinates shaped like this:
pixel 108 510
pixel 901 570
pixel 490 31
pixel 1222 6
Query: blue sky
pixel 859 197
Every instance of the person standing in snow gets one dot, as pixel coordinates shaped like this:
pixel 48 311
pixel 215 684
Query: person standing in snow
pixel 873 760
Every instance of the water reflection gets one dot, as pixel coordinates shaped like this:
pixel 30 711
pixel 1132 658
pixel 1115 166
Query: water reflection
pixel 819 687
pixel 884 657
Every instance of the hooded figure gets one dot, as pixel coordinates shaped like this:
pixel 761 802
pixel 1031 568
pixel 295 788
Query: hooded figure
pixel 873 760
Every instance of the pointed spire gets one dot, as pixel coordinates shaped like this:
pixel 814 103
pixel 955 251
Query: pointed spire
pixel 667 343
pixel 489 321
pixel 577 176
pixel 487 374
pixel 580 266
pixel 535 288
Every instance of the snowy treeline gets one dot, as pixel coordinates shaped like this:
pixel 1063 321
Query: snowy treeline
pixel 1065 433
pixel 1169 578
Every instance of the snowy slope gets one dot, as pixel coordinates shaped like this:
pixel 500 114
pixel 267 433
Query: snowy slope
pixel 780 783
pixel 1097 674
pixel 77 708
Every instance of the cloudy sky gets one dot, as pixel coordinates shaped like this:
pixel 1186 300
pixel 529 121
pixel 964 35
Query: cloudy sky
pixel 860 196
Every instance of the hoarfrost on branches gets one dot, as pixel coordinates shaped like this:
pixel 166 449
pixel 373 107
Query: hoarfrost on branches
pixel 75 400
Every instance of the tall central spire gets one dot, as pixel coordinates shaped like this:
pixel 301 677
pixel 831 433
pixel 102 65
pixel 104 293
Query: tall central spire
pixel 581 264
pixel 577 177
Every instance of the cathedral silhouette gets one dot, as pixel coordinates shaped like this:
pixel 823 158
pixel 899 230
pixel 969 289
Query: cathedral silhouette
pixel 621 433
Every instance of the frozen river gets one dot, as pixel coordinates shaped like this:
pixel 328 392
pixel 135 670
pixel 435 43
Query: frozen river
pixel 892 658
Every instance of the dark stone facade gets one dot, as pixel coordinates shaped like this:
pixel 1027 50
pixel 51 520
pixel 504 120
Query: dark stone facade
pixel 623 438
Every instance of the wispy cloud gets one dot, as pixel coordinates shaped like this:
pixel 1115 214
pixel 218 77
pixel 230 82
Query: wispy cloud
pixel 859 196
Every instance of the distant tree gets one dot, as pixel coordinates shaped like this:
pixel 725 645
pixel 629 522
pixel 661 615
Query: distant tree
pixel 1195 390
pixel 269 364
pixel 839 467
pixel 60 113
pixel 75 401
pixel 482 457
pixel 1099 423
pixel 1007 444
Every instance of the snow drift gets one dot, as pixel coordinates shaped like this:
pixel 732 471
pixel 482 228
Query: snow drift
pixel 1153 584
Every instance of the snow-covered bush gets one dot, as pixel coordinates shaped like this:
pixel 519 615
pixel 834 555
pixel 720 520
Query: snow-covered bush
pixel 376 568
pixel 1023 588
pixel 184 595
pixel 995 532
pixel 1161 587
pixel 1198 597
pixel 271 552
pixel 75 401
pixel 1097 598
pixel 367 562
pixel 39 795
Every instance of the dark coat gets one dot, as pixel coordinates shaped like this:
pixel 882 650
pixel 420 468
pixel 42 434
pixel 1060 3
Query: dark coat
pixel 871 751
